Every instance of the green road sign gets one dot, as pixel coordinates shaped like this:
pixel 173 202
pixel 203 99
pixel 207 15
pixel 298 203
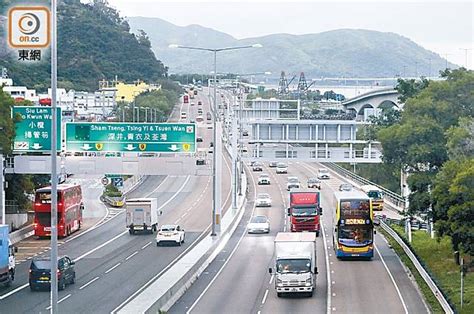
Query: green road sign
pixel 33 132
pixel 131 137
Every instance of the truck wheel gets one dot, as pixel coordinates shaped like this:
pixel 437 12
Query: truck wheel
pixel 279 294
pixel 317 233
pixel 62 285
pixel 310 294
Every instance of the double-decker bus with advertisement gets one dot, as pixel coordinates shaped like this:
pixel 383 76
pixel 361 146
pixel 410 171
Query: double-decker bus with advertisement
pixel 375 194
pixel 353 225
pixel 70 207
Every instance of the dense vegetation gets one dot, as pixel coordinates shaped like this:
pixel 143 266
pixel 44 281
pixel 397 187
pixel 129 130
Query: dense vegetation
pixel 94 43
pixel 433 140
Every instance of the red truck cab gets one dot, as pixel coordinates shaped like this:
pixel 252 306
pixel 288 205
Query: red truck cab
pixel 304 211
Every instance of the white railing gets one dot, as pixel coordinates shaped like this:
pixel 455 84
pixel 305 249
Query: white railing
pixel 421 270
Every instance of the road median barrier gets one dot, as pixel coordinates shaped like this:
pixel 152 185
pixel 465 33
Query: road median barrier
pixel 163 292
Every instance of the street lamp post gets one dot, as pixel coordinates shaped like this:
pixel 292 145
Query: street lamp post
pixel 216 210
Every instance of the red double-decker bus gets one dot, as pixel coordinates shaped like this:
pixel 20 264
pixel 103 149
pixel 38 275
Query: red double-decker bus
pixel 70 208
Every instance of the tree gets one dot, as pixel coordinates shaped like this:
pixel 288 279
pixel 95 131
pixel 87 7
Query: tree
pixel 410 88
pixel 7 127
pixel 453 199
pixel 433 141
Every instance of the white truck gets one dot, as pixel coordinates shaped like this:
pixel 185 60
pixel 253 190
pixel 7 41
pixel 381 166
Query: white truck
pixel 142 214
pixel 7 257
pixel 295 263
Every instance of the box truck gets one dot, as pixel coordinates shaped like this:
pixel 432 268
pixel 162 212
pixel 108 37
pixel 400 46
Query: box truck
pixel 295 263
pixel 7 257
pixel 142 214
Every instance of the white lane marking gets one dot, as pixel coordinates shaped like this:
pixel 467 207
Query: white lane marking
pixel 393 280
pixel 328 270
pixel 131 255
pixel 49 307
pixel 113 267
pixel 184 215
pixel 191 246
pixel 271 279
pixel 101 246
pixel 143 247
pixel 177 221
pixel 265 297
pixel 175 194
pixel 13 291
pixel 159 185
pixel 228 259
pixel 88 283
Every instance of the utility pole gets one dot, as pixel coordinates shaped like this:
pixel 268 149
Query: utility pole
pixel 465 55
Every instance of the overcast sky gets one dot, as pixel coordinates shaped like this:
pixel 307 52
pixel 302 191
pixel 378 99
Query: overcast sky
pixel 442 26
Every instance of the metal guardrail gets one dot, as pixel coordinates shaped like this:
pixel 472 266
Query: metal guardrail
pixel 421 270
pixel 393 197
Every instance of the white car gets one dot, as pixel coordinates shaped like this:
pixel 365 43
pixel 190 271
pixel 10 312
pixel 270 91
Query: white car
pixel 263 179
pixel 263 200
pixel 170 234
pixel 323 173
pixel 259 224
pixel 293 183
pixel 281 168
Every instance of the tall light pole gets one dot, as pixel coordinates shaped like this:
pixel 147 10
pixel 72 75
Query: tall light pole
pixel 216 206
pixel 465 55
pixel 54 177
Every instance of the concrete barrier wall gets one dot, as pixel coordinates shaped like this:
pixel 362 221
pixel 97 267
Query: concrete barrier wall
pixel 15 221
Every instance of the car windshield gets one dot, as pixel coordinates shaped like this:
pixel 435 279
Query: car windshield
pixel 304 211
pixel 313 180
pixel 323 171
pixel 263 195
pixel 293 180
pixel 264 176
pixel 259 219
pixel 168 228
pixel 281 165
pixel 375 194
pixel 355 235
pixel 293 265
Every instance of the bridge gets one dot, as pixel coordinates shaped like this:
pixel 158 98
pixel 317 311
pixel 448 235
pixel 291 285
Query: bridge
pixel 372 102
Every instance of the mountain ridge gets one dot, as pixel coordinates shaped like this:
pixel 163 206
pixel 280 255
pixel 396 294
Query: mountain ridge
pixel 342 52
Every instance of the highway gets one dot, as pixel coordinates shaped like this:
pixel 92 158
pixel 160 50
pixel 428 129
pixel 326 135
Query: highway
pixel 241 271
pixel 111 265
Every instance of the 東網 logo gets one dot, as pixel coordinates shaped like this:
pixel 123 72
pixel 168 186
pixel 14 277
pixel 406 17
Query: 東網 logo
pixel 28 27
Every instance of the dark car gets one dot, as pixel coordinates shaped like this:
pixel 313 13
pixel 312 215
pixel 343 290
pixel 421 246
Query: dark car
pixel 40 273
pixel 199 103
pixel 199 139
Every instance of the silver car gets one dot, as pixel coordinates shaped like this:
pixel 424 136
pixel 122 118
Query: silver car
pixel 259 224
pixel 263 200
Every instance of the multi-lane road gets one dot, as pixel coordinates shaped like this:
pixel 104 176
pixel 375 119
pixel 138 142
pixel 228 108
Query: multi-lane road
pixel 238 281
pixel 112 265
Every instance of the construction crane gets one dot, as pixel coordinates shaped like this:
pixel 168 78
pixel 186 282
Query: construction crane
pixel 284 84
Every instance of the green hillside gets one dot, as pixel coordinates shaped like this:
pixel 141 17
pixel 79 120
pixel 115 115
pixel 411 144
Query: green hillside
pixel 336 53
pixel 94 43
